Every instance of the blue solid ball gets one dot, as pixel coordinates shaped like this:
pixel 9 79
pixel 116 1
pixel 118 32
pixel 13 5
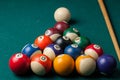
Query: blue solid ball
pixel 73 50
pixel 29 49
pixel 106 64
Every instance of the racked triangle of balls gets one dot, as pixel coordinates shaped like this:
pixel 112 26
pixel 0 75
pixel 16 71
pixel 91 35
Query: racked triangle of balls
pixel 63 49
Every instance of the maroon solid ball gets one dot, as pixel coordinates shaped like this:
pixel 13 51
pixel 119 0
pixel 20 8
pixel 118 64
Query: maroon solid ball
pixel 19 63
pixel 61 26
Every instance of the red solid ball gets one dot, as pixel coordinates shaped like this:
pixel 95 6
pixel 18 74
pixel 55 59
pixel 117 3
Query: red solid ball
pixel 19 63
pixel 61 26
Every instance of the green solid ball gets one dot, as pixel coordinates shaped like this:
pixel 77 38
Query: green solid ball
pixel 71 33
pixel 82 41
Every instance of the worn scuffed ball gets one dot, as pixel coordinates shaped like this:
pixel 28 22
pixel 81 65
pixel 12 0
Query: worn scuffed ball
pixel 62 14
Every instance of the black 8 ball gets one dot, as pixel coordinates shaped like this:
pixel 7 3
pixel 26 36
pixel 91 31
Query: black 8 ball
pixel 63 41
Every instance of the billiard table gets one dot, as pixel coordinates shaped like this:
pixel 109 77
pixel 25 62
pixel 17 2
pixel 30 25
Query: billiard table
pixel 22 21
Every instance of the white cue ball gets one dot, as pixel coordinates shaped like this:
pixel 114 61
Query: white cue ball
pixel 62 14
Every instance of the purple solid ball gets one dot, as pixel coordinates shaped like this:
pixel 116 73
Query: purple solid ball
pixel 106 64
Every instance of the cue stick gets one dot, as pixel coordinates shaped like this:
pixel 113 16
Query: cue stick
pixel 109 26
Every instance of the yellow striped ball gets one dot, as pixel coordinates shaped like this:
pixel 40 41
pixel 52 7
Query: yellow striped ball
pixel 85 65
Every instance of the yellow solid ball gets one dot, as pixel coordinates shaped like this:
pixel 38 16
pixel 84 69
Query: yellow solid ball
pixel 63 64
pixel 62 14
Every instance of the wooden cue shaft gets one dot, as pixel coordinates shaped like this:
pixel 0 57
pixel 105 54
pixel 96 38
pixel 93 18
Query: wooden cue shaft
pixel 109 26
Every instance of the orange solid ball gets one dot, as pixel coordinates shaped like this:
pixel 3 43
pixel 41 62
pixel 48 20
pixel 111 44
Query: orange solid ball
pixel 63 64
pixel 42 41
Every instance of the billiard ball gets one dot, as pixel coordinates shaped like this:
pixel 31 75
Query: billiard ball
pixel 61 26
pixel 40 64
pixel 52 51
pixel 106 64
pixel 54 37
pixel 82 41
pixel 42 41
pixel 53 33
pixel 63 65
pixel 71 33
pixel 62 14
pixel 19 63
pixel 63 41
pixel 85 65
pixel 30 50
pixel 94 51
pixel 73 50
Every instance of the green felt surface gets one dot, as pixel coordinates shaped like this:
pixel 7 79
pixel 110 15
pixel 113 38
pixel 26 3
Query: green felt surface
pixel 21 21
